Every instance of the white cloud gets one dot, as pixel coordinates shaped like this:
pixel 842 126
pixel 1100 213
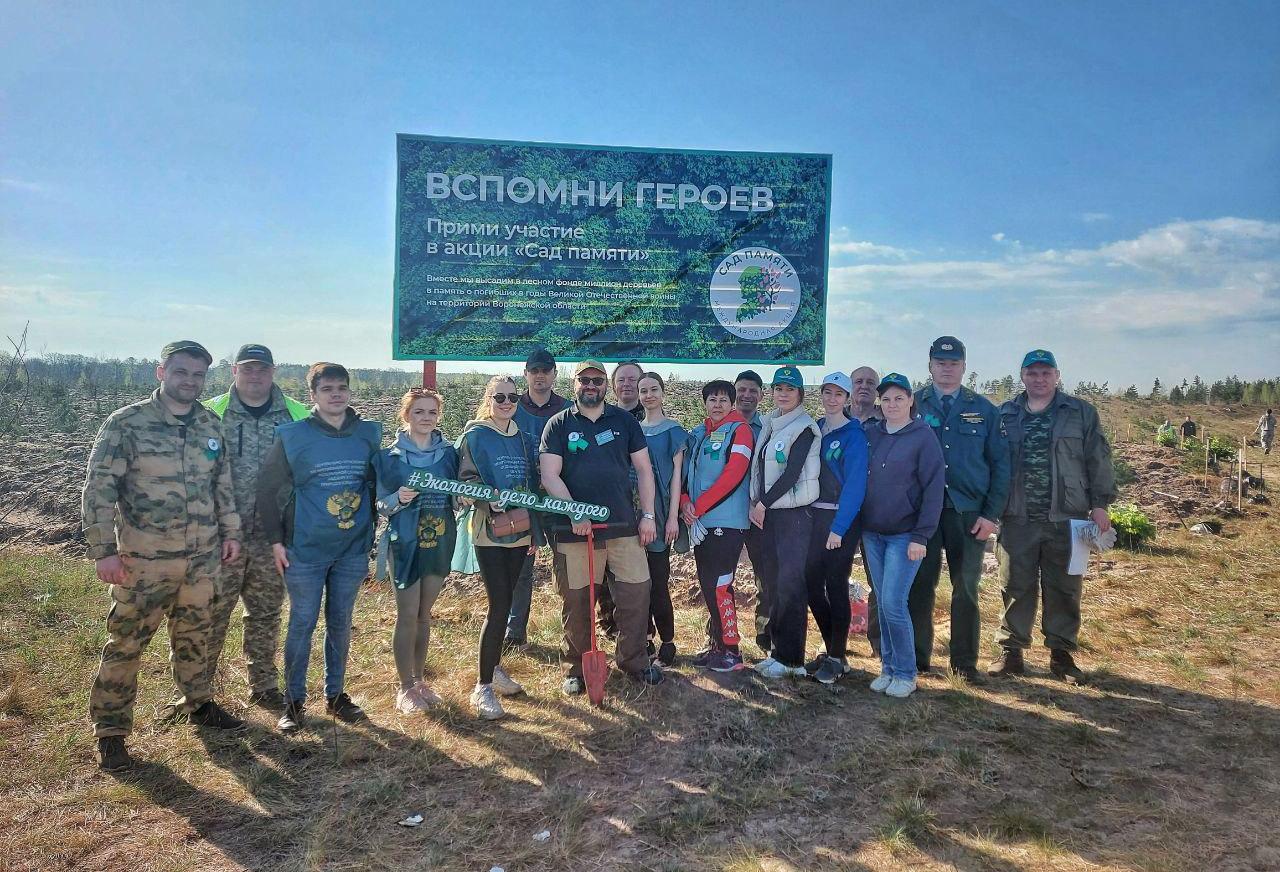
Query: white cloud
pixel 869 250
pixel 998 237
pixel 22 185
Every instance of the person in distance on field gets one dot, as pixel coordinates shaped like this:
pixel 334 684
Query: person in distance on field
pixel 250 412
pixel 587 454
pixel 1061 470
pixel 420 535
pixel 159 515
pixel 1189 429
pixel 321 469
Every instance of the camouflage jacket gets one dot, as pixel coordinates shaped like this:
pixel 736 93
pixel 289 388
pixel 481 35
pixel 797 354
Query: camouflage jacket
pixel 158 485
pixel 1081 477
pixel 248 441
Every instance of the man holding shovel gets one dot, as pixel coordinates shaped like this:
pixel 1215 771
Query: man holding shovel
pixel 587 453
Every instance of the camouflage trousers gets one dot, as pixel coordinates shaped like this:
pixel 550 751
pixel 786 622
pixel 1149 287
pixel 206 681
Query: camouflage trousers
pixel 253 579
pixel 181 589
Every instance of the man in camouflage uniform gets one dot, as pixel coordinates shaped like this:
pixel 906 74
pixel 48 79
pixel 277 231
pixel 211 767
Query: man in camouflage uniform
pixel 250 413
pixel 1060 465
pixel 160 518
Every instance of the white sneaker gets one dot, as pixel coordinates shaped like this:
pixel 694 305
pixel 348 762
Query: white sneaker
pixel 428 697
pixel 408 702
pixel 901 688
pixel 504 684
pixel 573 686
pixel 485 702
pixel 881 683
pixel 771 668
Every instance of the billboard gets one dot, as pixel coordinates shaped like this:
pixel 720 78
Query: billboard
pixel 661 255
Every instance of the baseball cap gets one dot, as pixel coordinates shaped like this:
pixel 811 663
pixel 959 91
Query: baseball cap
pixel 947 348
pixel 1039 355
pixel 749 375
pixel 186 346
pixel 260 353
pixel 894 380
pixel 840 380
pixel 788 375
pixel 584 365
pixel 540 359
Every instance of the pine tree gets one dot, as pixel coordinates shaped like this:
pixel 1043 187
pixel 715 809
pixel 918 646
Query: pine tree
pixel 1131 392
pixel 1157 391
pixel 1176 396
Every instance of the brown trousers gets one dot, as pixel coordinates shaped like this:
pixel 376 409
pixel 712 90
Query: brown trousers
pixel 630 594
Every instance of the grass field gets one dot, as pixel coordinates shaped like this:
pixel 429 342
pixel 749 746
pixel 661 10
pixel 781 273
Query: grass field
pixel 1169 760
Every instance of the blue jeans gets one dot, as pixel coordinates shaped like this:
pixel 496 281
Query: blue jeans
pixel 891 575
pixel 336 582
pixel 521 602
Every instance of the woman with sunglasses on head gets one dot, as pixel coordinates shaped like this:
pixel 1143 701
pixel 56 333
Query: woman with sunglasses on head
pixel 666 439
pixel 492 451
pixel 905 485
pixel 419 535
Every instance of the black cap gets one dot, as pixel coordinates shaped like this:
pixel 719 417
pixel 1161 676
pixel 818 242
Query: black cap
pixel 187 346
pixel 749 375
pixel 947 348
pixel 539 359
pixel 259 353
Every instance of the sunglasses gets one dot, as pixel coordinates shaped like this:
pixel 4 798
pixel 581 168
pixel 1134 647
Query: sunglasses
pixel 595 381
pixel 506 398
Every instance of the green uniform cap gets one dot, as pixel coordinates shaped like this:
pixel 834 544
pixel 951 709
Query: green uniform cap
pixel 788 375
pixel 894 380
pixel 1039 356
pixel 186 346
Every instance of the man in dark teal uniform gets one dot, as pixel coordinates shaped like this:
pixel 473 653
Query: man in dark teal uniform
pixel 977 457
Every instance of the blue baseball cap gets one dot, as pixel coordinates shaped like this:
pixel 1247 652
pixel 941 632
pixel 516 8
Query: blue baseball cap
pixel 788 375
pixel 1039 355
pixel 894 380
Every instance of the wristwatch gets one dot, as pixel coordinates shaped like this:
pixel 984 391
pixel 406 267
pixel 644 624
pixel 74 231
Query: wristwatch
pixel 649 516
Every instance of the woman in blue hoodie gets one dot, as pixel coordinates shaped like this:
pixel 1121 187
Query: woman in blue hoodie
pixel 842 482
pixel 419 536
pixel 493 451
pixel 905 485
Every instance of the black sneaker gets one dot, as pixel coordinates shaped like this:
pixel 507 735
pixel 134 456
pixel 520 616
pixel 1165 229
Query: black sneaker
pixel 763 642
pixel 831 670
pixel 650 650
pixel 271 700
pixel 702 658
pixel 667 654
pixel 342 708
pixel 650 675
pixel 967 674
pixel 514 643
pixel 291 721
pixel 212 715
pixel 112 754
pixel 815 664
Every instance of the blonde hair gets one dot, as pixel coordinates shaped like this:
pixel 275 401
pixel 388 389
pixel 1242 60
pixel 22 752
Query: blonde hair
pixel 411 397
pixel 484 411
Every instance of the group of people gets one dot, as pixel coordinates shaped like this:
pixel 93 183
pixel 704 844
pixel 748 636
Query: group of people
pixel 252 496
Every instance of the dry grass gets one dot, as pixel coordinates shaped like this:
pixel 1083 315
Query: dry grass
pixel 1168 761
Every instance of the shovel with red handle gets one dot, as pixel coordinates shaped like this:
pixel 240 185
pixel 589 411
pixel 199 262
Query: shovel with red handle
pixel 595 668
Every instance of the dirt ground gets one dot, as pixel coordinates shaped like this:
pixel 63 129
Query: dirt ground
pixel 1168 760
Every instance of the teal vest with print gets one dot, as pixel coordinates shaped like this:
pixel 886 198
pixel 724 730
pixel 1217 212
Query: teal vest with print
pixel 707 458
pixel 502 462
pixel 332 516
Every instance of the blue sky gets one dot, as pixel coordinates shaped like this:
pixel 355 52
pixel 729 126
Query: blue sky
pixel 1102 179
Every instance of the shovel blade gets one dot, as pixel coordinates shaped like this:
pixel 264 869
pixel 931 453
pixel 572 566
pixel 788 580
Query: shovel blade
pixel 595 672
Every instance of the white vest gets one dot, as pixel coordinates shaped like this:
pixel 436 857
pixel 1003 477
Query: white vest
pixel 776 437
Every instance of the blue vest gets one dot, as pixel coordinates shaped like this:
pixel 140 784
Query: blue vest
pixel 531 427
pixel 421 535
pixel 332 516
pixel 705 461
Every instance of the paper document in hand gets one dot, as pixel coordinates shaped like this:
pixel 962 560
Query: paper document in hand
pixel 1080 546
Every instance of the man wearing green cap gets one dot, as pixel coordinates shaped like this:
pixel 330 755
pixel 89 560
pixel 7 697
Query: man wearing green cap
pixel 160 520
pixel 250 413
pixel 1060 471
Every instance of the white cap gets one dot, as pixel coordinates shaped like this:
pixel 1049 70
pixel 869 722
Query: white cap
pixel 840 380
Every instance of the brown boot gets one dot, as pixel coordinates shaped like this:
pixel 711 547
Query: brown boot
pixel 112 754
pixel 1062 666
pixel 1009 663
